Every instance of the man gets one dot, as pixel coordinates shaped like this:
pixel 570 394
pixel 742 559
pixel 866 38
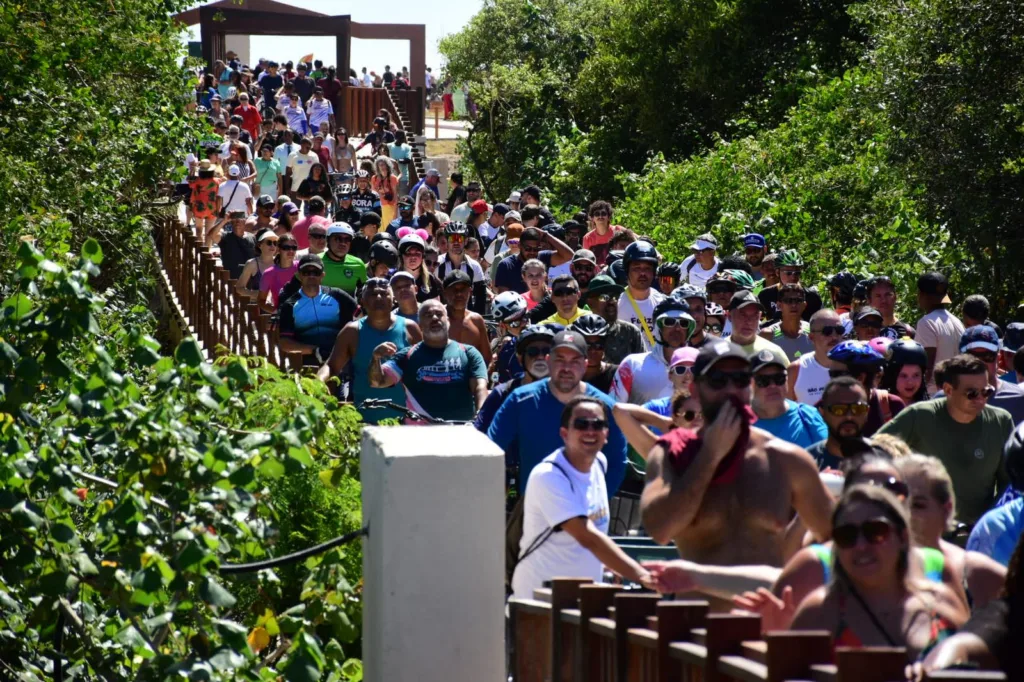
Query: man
pixel 304 88
pixel 430 180
pixel 867 323
pixel 1013 341
pixel 317 216
pixel 514 200
pixel 403 286
pixel 864 363
pixel 405 217
pixel 531 196
pixel 792 422
pixel 770 270
pixel 599 374
pixel 299 164
pixel 755 248
pixel 442 378
pixel 467 327
pixel 808 376
pixel 377 136
pixel 234 195
pixel 574 236
pixel 369 223
pixel 696 299
pixel 493 226
pixel 583 267
pixel 456 259
pixel 882 297
pixel 342 270
pixel 791 333
pixel 725 495
pixel 939 331
pixel 311 319
pixel 621 338
pixel 401 151
pixel 320 110
pixel 981 341
pixel 365 199
pixel 844 409
pixel 963 432
pixel 251 119
pixel 703 264
pixel 565 293
pixel 284 151
pixel 359 338
pixel 263 217
pixel 509 273
pixel 790 266
pixel 637 302
pixel 566 490
pixel 388 78
pixel 529 416
pixel 236 245
pixel 531 350
pixel 317 242
pixel 461 212
pixel 366 80
pixel 744 312
pixel 271 81
pixel 645 376
pixel 840 290
pixel 976 309
pixel 345 212
pixel 332 90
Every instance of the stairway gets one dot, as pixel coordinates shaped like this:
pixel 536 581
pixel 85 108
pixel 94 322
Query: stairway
pixel 416 141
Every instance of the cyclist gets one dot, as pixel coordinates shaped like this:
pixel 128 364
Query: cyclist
pixel 862 362
pixel 509 311
pixel 790 266
pixel 668 277
pixel 644 376
pixel 599 373
pixel 531 351
pixel 840 290
pixel 808 375
pixel 791 333
pixel 697 300
pixel 637 302
pixel 456 259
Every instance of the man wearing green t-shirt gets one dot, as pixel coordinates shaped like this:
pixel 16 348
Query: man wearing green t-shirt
pixel 963 432
pixel 442 378
pixel 342 270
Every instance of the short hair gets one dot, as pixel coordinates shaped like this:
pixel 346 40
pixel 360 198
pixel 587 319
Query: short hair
pixel 577 401
pixel 621 236
pixel 563 279
pixel 793 287
pixel 841 382
pixel 317 204
pixel 237 118
pixel 457 177
pixel 599 205
pixel 530 212
pixel 428 302
pixel 281 118
pixel 894 445
pixel 940 486
pixel 735 262
pixel 958 366
pixel 823 313
pixel 531 234
pixel 369 218
pixel 976 307
pixel 533 191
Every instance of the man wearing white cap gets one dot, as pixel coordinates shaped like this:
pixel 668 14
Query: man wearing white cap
pixel 430 181
pixel 233 194
pixel 703 264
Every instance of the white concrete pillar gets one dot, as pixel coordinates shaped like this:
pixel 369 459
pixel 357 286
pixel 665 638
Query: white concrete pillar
pixel 434 561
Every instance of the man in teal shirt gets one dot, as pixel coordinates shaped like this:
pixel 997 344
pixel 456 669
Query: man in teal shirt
pixel 402 153
pixel 342 270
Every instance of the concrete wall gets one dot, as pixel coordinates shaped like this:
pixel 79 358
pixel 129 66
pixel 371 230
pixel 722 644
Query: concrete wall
pixel 433 564
pixel 240 44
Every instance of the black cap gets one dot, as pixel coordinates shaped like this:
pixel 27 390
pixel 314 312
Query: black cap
pixel 456 277
pixel 933 283
pixel 866 311
pixel 743 298
pixel 501 209
pixel 767 357
pixel 712 354
pixel 1013 339
pixel 568 338
pixel 311 259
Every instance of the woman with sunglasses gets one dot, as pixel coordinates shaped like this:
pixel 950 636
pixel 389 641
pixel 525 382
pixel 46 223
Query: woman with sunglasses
pixel 248 284
pixel 642 427
pixel 904 370
pixel 275 279
pixel 412 252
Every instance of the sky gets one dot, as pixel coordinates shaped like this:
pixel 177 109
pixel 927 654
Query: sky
pixel 440 18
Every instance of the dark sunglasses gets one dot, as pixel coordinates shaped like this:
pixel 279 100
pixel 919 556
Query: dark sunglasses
pixel 537 351
pixel 288 247
pixel 664 322
pixel 595 345
pixel 843 409
pixel 793 301
pixel 269 243
pixel 713 328
pixel 830 330
pixel 583 267
pixel 599 214
pixel 789 272
pixel 974 394
pixel 680 370
pixel 583 424
pixel 719 380
pixel 565 291
pixel 875 532
pixel 869 323
pixel 430 263
pixel 721 288
pixel 766 380
pixel 310 272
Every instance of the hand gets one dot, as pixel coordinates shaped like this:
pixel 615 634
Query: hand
pixel 721 434
pixel 647 581
pixel 385 350
pixel 776 614
pixel 672 577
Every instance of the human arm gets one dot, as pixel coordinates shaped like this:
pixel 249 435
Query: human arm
pixel 985 578
pixel 634 421
pixel 476 370
pixel 961 648
pixel 483 342
pixel 680 575
pixel 243 279
pixel 562 252
pixel 792 372
pixel 377 376
pixel 811 498
pixel 601 546
pixel 343 351
pixel 478 387
pixel 812 612
pixel 265 300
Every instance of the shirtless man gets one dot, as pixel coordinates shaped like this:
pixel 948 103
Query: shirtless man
pixel 739 512
pixel 466 326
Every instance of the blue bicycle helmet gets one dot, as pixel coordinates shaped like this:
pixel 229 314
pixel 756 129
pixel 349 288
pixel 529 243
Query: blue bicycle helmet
pixel 857 353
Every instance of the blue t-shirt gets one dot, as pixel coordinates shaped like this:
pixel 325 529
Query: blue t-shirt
pixel 369 339
pixel 507 364
pixel 495 399
pixel 662 406
pixel 509 273
pixel 398 223
pixel 437 380
pixel 799 424
pixel 532 416
pixel 997 532
pixel 317 320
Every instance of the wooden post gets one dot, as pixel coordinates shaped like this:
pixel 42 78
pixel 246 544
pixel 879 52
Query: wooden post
pixel 675 621
pixel 871 664
pixel 565 594
pixel 631 611
pixel 594 602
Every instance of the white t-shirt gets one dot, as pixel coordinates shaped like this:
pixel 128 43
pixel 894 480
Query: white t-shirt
pixel 811 380
pixel 555 493
pixel 642 377
pixel 319 111
pixel 367 80
pixel 697 275
pixel 461 212
pixel 557 270
pixel 236 203
pixel 301 164
pixel 941 330
pixel 468 266
pixel 628 314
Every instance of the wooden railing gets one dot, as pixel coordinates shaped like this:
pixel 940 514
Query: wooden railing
pixel 203 300
pixel 359 106
pixel 577 631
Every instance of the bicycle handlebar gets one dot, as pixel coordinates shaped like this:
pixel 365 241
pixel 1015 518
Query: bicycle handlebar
pixel 384 403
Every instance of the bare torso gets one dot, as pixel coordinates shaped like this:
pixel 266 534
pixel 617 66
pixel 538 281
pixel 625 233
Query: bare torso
pixel 469 329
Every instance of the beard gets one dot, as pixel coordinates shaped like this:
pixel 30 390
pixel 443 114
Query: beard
pixel 436 334
pixel 538 369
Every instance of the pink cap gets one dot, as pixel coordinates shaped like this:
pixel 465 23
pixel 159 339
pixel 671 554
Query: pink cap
pixel 683 356
pixel 424 235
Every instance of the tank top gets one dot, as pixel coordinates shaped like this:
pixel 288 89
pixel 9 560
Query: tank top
pixel 254 282
pixel 370 338
pixel 811 380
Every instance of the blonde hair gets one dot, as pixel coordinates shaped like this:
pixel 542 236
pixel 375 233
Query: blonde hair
pixel 895 446
pixel 940 485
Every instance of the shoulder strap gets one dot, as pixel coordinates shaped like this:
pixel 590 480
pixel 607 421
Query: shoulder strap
pixel 640 316
pixel 691 266
pixel 824 555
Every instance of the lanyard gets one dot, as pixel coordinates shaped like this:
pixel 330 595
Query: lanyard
pixel 640 316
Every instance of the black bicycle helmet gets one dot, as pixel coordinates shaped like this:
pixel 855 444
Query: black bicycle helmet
pixel 906 352
pixel 617 255
pixel 385 237
pixel 555 230
pixel 670 270
pixel 533 333
pixel 1013 457
pixel 618 273
pixel 384 252
pixel 639 252
pixel 456 227
pixel 845 281
pixel 860 291
pixel 590 325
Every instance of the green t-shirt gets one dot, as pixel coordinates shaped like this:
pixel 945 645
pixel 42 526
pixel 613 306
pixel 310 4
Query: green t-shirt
pixel 972 453
pixel 347 275
pixel 436 380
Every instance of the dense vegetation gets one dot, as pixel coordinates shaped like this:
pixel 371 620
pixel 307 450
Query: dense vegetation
pixel 874 134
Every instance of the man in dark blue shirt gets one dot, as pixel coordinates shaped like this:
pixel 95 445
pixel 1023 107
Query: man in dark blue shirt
pixel 509 275
pixel 405 217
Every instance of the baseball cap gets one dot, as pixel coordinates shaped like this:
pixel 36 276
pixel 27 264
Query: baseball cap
pixel 456 277
pixel 705 241
pixel 474 184
pixel 289 207
pixel 501 209
pixel 682 356
pixel 603 284
pixel 1013 339
pixel 515 196
pixel 406 201
pixel 340 228
pixel 584 255
pixel 514 216
pixel 568 338
pixel 236 214
pixel 754 239
pixel 980 336
pixel 234 171
pixel 712 354
pixel 479 206
pixel 311 259
pixel 742 298
pixel 934 284
pixel 402 274
pixel 866 311
pixel 766 357
pixel 265 200
pixel 433 173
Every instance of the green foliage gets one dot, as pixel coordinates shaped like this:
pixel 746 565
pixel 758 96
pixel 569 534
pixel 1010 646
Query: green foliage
pixel 129 478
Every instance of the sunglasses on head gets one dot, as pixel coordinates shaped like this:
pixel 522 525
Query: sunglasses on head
pixel 565 291
pixel 766 380
pixel 680 370
pixel 875 532
pixel 584 424
pixel 537 351
pixel 830 330
pixel 974 394
pixel 843 409
pixel 718 380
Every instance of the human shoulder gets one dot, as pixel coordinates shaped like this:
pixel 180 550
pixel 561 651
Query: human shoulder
pixel 998 415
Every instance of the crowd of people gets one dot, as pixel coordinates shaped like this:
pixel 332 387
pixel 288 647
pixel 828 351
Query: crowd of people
pixel 813 457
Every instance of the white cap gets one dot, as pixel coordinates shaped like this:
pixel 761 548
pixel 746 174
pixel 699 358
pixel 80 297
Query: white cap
pixel 340 228
pixel 234 171
pixel 515 196
pixel 411 240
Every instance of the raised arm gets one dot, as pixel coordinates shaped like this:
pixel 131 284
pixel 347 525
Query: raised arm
pixel 634 420
pixel 563 253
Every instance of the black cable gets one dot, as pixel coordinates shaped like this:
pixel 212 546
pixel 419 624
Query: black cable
pixel 231 569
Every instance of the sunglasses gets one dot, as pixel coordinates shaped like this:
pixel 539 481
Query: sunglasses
pixel 456 238
pixel 680 370
pixel 310 272
pixel 269 243
pixel 721 288
pixel 664 322
pixel 583 424
pixel 583 267
pixel 792 301
pixel 713 328
pixel 875 532
pixel 430 263
pixel 289 247
pixel 317 236
pixel 789 272
pixel 595 345
pixel 567 291
pixel 870 324
pixel 513 242
pixel 830 330
pixel 974 394
pixel 843 409
pixel 537 351
pixel 689 415
pixel 766 380
pixel 599 214
pixel 719 380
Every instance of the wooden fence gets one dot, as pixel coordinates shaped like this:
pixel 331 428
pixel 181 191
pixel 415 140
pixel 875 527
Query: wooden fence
pixel 359 106
pixel 582 632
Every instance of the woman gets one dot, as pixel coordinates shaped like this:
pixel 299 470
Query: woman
pixel 875 599
pixel 276 277
pixel 904 371
pixel 385 183
pixel 536 277
pixel 240 157
pixel 432 257
pixel 426 202
pixel 411 249
pixel 714 319
pixel 318 184
pixel 472 248
pixel 344 156
pixel 932 512
pixel 203 200
pixel 636 421
pixel 206 89
pixel 286 218
pixel 268 173
pixel 248 284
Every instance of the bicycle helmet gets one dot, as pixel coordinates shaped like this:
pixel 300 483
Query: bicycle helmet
pixel 618 273
pixel 639 252
pixel 617 255
pixel 714 310
pixel 508 306
pixel 906 352
pixel 362 174
pixel 345 189
pixel 590 325
pixel 860 292
pixel 385 237
pixel 673 307
pixel 670 270
pixel 857 353
pixel 411 240
pixel 456 227
pixel 880 344
pixel 743 279
pixel 533 333
pixel 384 252
pixel 1013 458
pixel 687 291
pixel 789 258
pixel 555 230
pixel 845 281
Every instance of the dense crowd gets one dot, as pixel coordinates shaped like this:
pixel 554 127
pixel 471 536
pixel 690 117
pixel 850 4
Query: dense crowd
pixel 813 457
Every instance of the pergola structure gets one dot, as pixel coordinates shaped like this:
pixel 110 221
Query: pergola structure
pixel 266 17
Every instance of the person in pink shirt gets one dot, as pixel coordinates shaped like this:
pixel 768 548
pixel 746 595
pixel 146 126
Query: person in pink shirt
pixel 317 211
pixel 283 271
pixel 599 238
